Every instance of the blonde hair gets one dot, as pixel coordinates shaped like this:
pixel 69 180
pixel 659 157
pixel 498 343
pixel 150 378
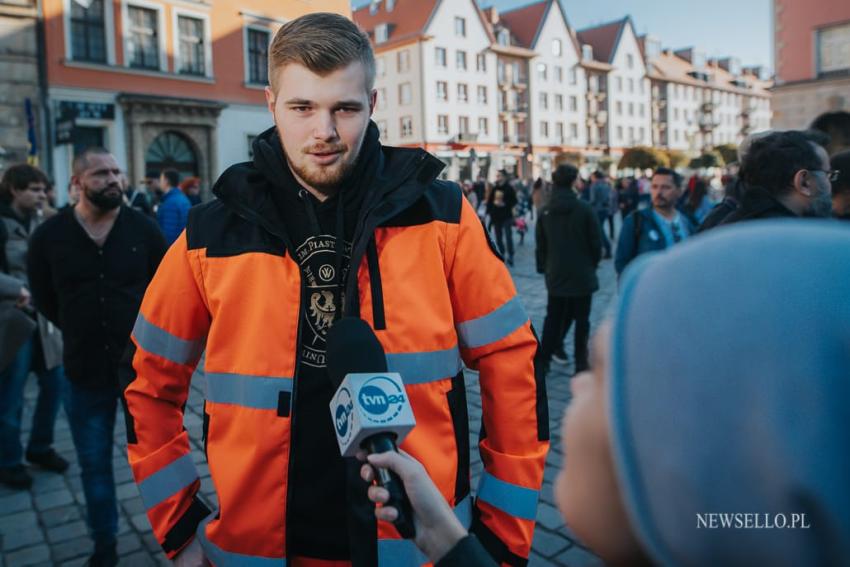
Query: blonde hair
pixel 323 42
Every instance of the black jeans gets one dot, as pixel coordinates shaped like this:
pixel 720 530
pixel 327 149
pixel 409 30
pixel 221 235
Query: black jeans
pixel 560 313
pixel 504 232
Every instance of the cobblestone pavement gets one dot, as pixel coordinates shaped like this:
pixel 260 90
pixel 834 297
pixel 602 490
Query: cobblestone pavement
pixel 46 526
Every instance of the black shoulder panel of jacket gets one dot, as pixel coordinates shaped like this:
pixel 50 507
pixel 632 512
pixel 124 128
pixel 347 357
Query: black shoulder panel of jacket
pixel 441 201
pixel 222 232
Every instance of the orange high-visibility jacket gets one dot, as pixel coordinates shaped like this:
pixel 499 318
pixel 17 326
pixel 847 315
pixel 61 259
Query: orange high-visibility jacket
pixel 437 296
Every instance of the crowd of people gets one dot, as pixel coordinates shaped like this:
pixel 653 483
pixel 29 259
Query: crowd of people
pixel 723 348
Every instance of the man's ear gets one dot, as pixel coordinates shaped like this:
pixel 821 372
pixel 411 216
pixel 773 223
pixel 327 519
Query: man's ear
pixel 803 182
pixel 373 101
pixel 270 99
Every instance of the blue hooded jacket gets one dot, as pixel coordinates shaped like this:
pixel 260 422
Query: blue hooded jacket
pixel 730 395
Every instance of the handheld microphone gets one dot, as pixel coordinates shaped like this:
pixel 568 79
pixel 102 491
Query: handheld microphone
pixel 370 408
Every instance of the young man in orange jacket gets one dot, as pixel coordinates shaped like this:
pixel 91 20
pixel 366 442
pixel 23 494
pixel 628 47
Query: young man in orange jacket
pixel 328 222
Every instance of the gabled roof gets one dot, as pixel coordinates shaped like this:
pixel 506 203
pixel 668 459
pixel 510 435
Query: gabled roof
pixel 604 38
pixel 406 21
pixel 525 22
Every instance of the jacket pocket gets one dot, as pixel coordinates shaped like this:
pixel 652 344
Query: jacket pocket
pixel 456 398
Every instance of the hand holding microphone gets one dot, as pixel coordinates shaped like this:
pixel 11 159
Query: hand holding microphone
pixel 370 409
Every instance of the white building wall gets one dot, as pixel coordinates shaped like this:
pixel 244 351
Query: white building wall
pixel 237 124
pixel 555 29
pixel 629 86
pixel 392 111
pixel 683 102
pixel 476 41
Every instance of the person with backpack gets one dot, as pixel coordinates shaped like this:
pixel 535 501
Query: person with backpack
pixel 600 200
pixel 658 227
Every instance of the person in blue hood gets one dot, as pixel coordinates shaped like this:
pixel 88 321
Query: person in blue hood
pixel 710 432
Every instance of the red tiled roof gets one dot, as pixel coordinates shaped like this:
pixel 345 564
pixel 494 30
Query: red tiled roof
pixel 407 19
pixel 525 21
pixel 603 39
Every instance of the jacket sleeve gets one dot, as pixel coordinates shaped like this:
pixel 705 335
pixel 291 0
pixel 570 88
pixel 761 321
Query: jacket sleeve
pixel 496 338
pixel 540 237
pixel 169 336
pixel 40 279
pixel 626 245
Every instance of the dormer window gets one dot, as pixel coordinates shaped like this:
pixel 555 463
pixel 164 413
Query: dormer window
pixel 587 52
pixel 504 37
pixel 373 7
pixel 390 4
pixel 382 33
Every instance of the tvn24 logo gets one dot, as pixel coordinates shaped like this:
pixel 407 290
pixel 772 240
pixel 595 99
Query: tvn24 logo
pixel 382 399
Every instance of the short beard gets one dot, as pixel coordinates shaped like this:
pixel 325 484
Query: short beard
pixel 327 183
pixel 102 201
pixel 821 206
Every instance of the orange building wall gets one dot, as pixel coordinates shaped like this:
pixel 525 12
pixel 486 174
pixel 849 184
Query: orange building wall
pixel 226 24
pixel 795 24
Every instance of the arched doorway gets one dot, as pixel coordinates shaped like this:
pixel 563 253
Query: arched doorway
pixel 171 150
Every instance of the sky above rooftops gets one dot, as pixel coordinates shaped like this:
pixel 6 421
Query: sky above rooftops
pixel 721 28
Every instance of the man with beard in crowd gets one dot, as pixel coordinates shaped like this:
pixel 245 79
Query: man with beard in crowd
pixel 88 269
pixel 786 174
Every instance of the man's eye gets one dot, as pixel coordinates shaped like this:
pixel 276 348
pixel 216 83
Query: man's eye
pixel 348 109
pixel 300 108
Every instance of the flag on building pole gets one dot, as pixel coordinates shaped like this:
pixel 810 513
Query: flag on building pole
pixel 32 153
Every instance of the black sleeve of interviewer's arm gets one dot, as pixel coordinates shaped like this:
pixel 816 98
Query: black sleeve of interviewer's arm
pixel 468 552
pixel 158 247
pixel 40 279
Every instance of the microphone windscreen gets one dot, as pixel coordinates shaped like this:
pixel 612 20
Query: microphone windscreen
pixel 352 347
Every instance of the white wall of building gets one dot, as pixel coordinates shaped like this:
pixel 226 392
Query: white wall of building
pixel 555 30
pixel 236 125
pixel 683 102
pixel 629 110
pixel 476 41
pixel 390 110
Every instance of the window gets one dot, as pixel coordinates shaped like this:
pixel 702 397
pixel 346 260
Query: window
pixel 631 109
pixel 619 132
pixel 143 38
pixel 442 91
pixel 482 95
pixel 556 47
pixel 573 103
pixel 380 67
pixel 406 126
pixel 88 32
pixel 462 93
pixel 381 103
pixel 544 129
pixel 642 85
pixel 440 56
pixel 619 84
pixel 403 61
pixel 641 133
pixel 462 124
pixel 631 85
pixel 460 26
pixel 481 63
pixel 504 37
pixel 389 4
pixel 382 33
pixel 675 135
pixel 573 76
pixel 544 101
pixel 192 42
pixel 405 93
pixel 559 102
pixel 559 131
pixel 542 71
pixel 619 107
pixel 443 124
pixel 573 130
pixel 382 128
pixel 631 134
pixel 460 60
pixel 483 126
pixel 641 110
pixel 630 61
pixel 559 73
pixel 833 45
pixel 258 56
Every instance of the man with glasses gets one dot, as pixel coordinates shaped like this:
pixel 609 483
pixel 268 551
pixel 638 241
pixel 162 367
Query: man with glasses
pixel 841 185
pixel 658 227
pixel 786 174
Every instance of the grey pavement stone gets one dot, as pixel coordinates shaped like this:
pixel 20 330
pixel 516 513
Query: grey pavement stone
pixel 141 523
pixel 578 557
pixel 129 543
pixel 537 560
pixel 549 517
pixel 139 559
pixel 43 481
pixel 149 540
pixel 61 515
pixel 28 556
pixel 72 549
pixel 549 544
pixel 53 499
pixel 22 538
pixel 126 491
pixel 17 521
pixel 16 502
pixel 67 531
pixel 133 506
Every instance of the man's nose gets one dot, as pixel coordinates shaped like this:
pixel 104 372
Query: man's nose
pixel 325 126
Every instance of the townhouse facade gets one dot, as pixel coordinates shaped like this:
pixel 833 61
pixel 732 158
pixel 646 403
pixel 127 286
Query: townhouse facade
pixel 161 83
pixel 521 89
